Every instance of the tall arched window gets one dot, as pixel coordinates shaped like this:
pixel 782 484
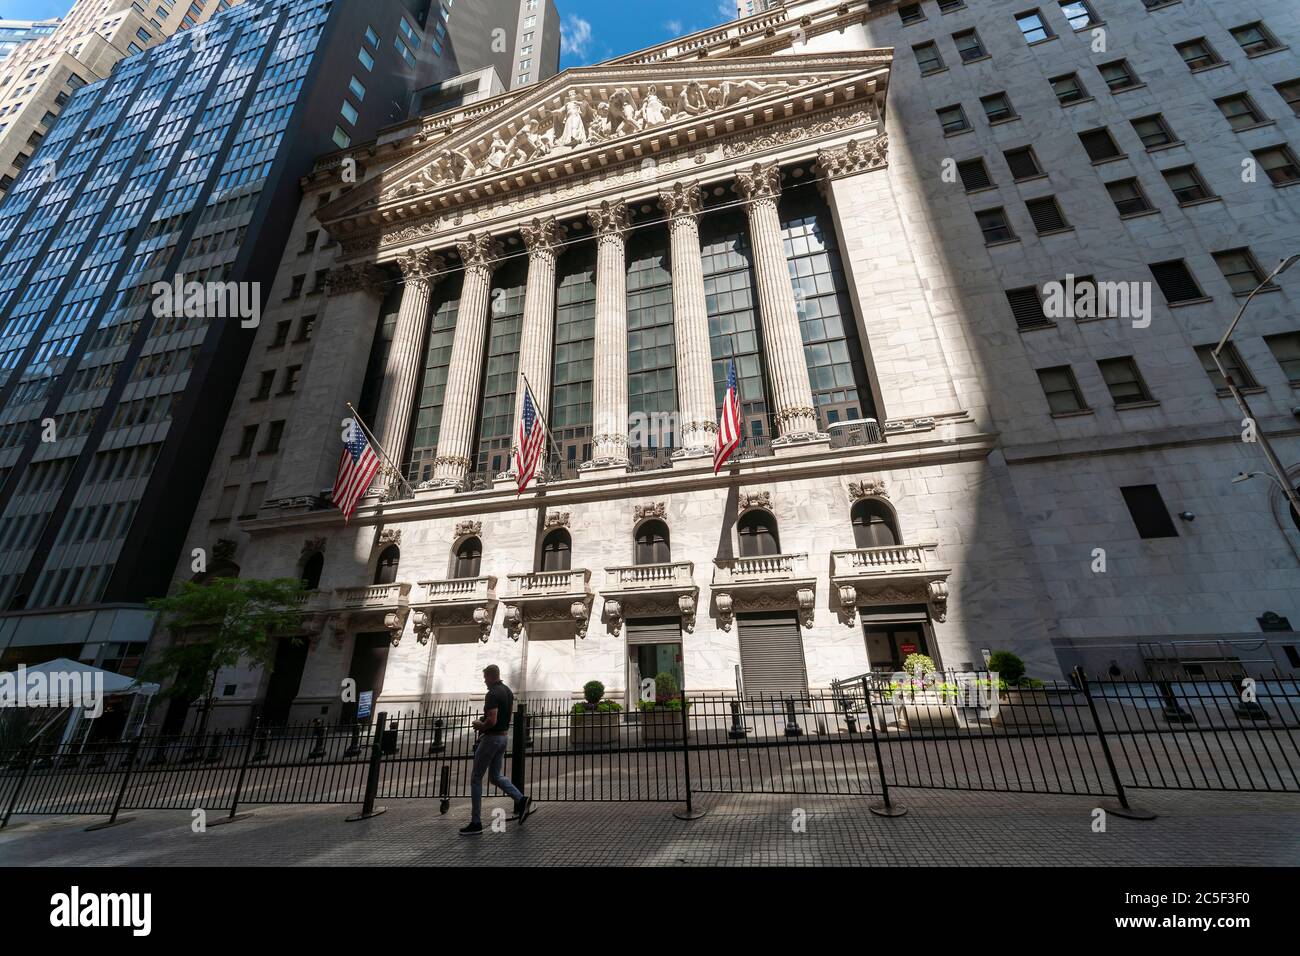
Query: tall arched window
pixel 873 525
pixel 557 550
pixel 469 558
pixel 758 535
pixel 652 543
pixel 311 571
pixel 386 569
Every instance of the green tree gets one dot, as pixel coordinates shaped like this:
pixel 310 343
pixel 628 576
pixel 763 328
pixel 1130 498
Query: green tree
pixel 216 624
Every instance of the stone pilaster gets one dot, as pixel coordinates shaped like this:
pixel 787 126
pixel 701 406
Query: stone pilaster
pixel 543 238
pixel 792 401
pixel 699 428
pixel 609 441
pixel 402 373
pixel 479 254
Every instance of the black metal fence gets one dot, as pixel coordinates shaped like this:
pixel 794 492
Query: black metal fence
pixel 862 737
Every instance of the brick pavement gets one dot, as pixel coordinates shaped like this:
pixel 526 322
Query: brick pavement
pixel 965 829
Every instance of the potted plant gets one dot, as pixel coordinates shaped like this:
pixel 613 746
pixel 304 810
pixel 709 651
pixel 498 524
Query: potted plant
pixel 925 700
pixel 661 718
pixel 593 721
pixel 1022 701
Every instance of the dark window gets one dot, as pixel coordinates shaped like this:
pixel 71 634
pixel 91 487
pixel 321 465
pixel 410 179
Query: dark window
pixel 1187 185
pixel 1198 54
pixel 1046 214
pixel 953 119
pixel 1279 163
pixel 1148 511
pixel 1286 349
pixel 947 6
pixel 273 436
pixel 974 175
pixel 1128 197
pixel 1240 111
pixel 295 289
pixel 994 225
pixel 1232 364
pixel 1119 76
pixel 1023 163
pixel 969 46
pixel 652 543
pixel 281 334
pixel 247 442
pixel 264 385
pixel 1068 88
pixel 386 569
pixel 910 13
pixel 1177 284
pixel 1290 93
pixel 557 551
pixel 1027 308
pixel 1254 38
pixel 873 525
pixel 997 107
pixel 1240 269
pixel 1124 381
pixel 469 558
pixel 928 58
pixel 1153 131
pixel 757 531
pixel 1061 389
pixel 311 571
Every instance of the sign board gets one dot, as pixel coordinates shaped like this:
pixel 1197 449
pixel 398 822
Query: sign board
pixel 365 704
pixel 906 649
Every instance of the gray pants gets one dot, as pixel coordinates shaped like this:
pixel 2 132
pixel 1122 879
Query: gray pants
pixel 489 757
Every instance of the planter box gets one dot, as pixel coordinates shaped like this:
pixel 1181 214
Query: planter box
pixel 926 712
pixel 661 726
pixel 594 730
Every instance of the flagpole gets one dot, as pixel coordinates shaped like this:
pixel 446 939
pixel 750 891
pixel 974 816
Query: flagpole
pixel 375 441
pixel 550 435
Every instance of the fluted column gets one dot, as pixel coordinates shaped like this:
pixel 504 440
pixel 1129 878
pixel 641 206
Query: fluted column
pixel 698 427
pixel 760 187
pixel 537 335
pixel 479 254
pixel 609 440
pixel 402 373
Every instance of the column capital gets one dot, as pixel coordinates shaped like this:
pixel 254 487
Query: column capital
pixel 480 250
pixel 421 265
pixel 358 277
pixel 683 200
pixel 855 156
pixel 542 236
pixel 758 182
pixel 609 218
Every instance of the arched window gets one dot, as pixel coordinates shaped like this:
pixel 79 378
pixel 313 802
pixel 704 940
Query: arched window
pixel 311 570
pixel 557 550
pixel 873 525
pixel 652 543
pixel 758 534
pixel 386 569
pixel 469 558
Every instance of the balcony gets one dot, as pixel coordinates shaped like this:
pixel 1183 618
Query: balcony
pixel 764 582
pixel 896 574
pixel 547 597
pixel 362 608
pixel 651 590
pixel 857 433
pixel 455 602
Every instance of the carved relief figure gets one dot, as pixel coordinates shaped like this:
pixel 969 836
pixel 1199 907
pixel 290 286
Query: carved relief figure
pixel 693 100
pixel 498 152
pixel 652 109
pixel 573 114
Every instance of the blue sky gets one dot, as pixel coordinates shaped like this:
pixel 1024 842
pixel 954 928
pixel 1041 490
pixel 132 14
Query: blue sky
pixel 594 30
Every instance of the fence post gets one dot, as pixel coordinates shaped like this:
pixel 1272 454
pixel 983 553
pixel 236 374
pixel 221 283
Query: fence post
pixel 113 821
pixel 690 813
pixel 1121 808
pixel 368 808
pixel 239 781
pixel 28 760
pixel 885 808
pixel 519 746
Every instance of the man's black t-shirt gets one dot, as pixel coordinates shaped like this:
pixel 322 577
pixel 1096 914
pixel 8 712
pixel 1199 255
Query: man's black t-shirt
pixel 499 697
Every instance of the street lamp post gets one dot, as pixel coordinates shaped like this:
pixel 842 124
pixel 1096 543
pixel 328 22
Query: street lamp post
pixel 1240 399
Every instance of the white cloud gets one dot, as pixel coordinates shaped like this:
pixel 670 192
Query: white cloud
pixel 727 9
pixel 674 27
pixel 575 36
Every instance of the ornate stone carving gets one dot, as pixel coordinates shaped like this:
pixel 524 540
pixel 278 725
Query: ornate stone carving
pixel 686 605
pixel 755 499
pixel 848 595
pixel 807 599
pixel 483 618
pixel 726 609
pixel 543 235
pixel 797 132
pixel 360 277
pixel 614 616
pixel 469 529
pixel 867 488
pixel 938 594
pixel 394 623
pixel 682 199
pixel 557 519
pixel 423 626
pixel 223 550
pixel 855 156
pixel 651 509
pixel 608 218
pixel 513 619
pixel 312 545
pixel 479 250
pixel 389 536
pixel 580 612
pixel 758 182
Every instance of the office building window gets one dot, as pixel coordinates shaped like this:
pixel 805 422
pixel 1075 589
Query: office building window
pixel 1063 394
pixel 1124 381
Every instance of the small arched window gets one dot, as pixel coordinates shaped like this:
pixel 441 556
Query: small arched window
pixel 386 569
pixel 557 548
pixel 469 558
pixel 311 571
pixel 652 543
pixel 873 525
pixel 757 530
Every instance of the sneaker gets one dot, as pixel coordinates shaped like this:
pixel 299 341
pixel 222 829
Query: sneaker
pixel 523 808
pixel 473 829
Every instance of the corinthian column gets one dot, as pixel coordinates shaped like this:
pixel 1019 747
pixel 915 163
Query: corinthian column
pixel 420 269
pixel 760 187
pixel 698 427
pixel 543 238
pixel 479 254
pixel 609 441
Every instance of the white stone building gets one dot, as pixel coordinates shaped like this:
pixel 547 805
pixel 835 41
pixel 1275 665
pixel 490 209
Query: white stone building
pixel 863 204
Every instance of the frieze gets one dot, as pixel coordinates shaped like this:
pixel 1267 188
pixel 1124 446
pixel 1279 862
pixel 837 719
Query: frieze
pixel 855 156
pixel 651 509
pixel 755 499
pixel 469 529
pixel 867 488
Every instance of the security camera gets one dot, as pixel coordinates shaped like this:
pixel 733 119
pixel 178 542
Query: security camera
pixel 1296 411
pixel 1187 516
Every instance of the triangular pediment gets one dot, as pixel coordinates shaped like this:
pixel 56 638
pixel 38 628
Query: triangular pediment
pixel 587 118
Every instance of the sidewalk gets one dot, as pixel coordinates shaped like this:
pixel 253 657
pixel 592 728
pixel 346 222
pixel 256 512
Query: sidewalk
pixel 961 829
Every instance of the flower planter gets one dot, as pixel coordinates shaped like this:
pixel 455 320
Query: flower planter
pixel 594 730
pixel 928 712
pixel 661 726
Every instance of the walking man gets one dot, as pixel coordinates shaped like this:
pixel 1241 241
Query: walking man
pixel 490 751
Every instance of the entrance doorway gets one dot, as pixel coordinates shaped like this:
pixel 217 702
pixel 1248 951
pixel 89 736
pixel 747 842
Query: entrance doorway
pixel 369 661
pixel 654 646
pixel 286 675
pixel 890 642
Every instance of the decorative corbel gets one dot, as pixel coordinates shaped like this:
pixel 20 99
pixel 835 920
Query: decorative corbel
pixel 580 613
pixel 755 499
pixel 389 536
pixel 394 624
pixel 938 594
pixel 726 610
pixel 686 604
pixel 849 603
pixel 423 625
pixel 807 598
pixel 469 529
pixel 867 488
pixel 614 616
pixel 483 618
pixel 651 509
pixel 557 519
pixel 513 620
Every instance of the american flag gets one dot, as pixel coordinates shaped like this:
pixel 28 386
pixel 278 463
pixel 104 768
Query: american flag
pixel 729 424
pixel 357 467
pixel 532 441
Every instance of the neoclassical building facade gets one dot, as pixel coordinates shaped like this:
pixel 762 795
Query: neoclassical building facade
pixel 615 237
